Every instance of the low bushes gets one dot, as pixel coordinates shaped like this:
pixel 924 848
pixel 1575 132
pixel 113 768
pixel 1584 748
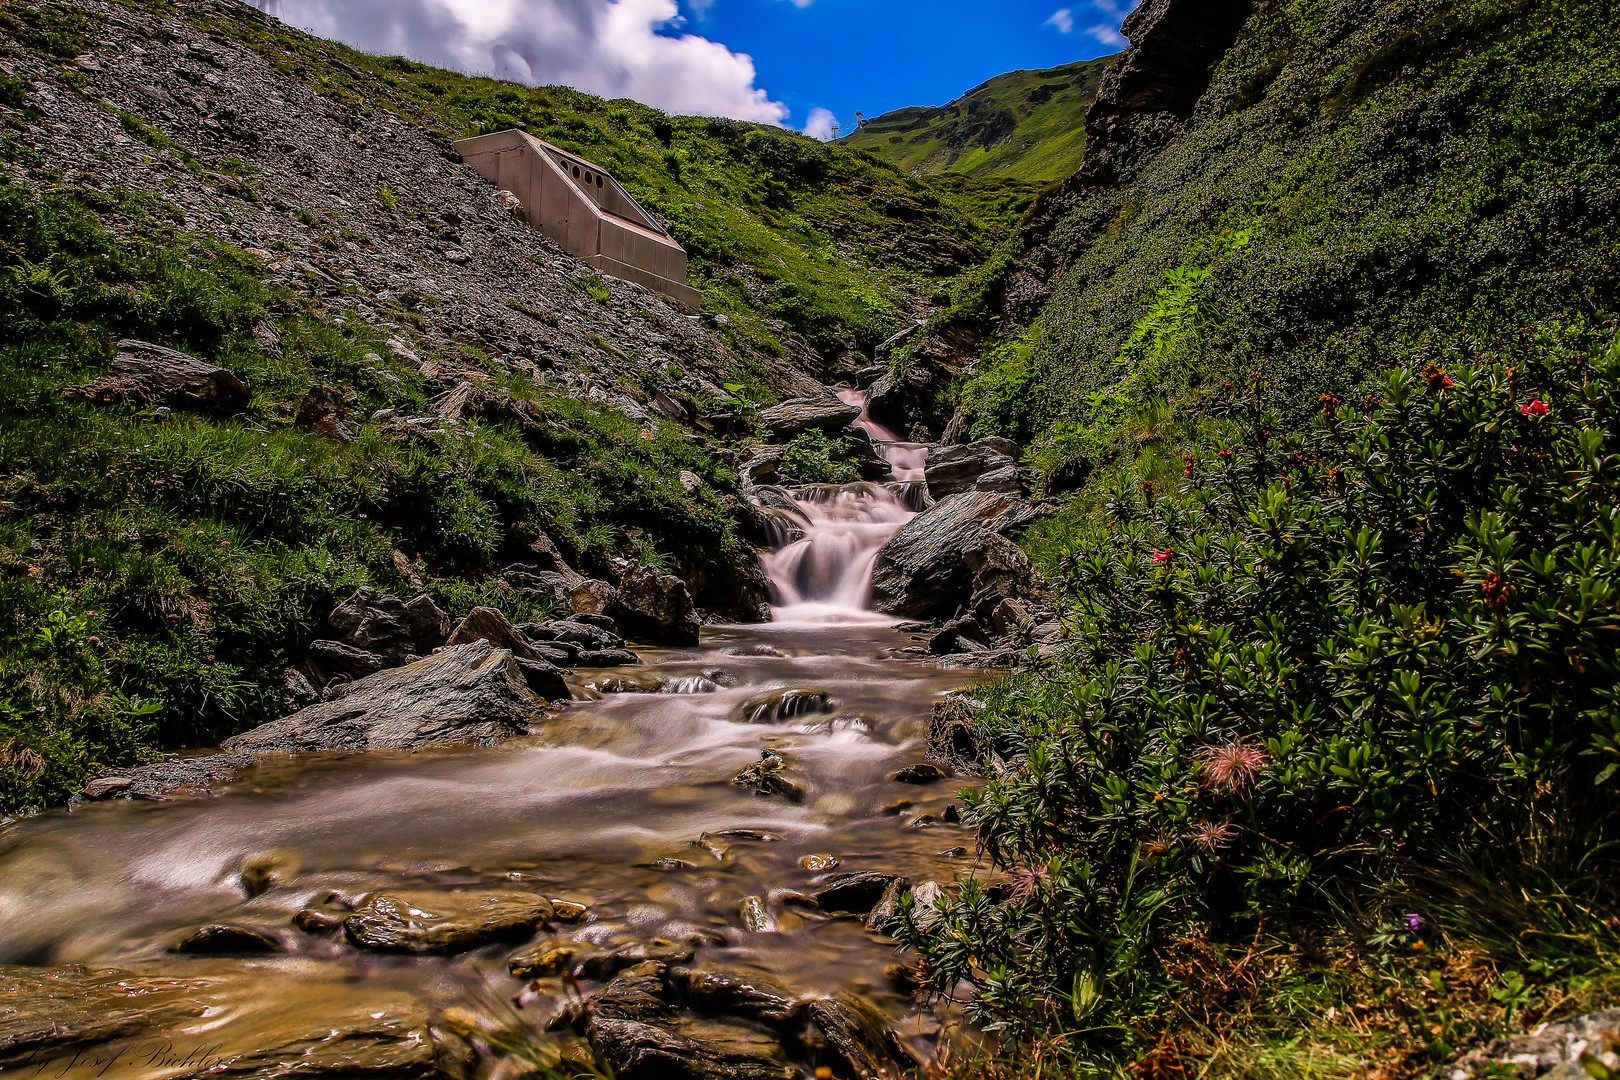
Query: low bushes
pixel 1328 666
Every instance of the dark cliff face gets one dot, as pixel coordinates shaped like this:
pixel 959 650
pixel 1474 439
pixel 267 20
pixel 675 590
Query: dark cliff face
pixel 1175 46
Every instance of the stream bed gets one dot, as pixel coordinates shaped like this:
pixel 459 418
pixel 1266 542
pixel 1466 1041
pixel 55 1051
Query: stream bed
pixel 216 919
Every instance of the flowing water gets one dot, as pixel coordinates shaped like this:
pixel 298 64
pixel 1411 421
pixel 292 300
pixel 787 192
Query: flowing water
pixel 623 803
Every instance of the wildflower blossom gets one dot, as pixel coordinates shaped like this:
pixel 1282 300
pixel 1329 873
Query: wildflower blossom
pixel 1163 556
pixel 1413 921
pixel 1535 407
pixel 1028 881
pixel 1234 765
pixel 1210 835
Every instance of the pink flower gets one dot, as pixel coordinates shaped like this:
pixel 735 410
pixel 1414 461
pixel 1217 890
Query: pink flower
pixel 1233 765
pixel 1445 381
pixel 1536 407
pixel 1210 835
pixel 1028 881
pixel 1163 556
pixel 92 641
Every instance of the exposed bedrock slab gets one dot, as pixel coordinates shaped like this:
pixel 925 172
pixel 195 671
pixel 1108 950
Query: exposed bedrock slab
pixel 924 571
pixel 472 693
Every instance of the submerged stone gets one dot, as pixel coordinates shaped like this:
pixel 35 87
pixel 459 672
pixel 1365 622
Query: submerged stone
pixel 434 921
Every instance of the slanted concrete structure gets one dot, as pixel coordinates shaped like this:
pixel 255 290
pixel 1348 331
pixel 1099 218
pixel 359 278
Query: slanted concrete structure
pixel 584 209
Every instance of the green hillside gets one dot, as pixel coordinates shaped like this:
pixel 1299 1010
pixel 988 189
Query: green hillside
pixel 1025 125
pixel 1321 355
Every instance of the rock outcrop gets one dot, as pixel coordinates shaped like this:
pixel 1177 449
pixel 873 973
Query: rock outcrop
pixel 655 607
pixel 985 465
pixel 798 415
pixel 472 693
pixel 146 375
pixel 924 570
pixel 398 631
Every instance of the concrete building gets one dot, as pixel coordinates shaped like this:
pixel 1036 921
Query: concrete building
pixel 584 209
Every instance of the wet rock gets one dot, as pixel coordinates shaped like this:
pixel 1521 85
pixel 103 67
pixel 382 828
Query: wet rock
pixel 228 939
pixel 608 658
pixel 318 921
pixel 799 415
pixel 435 921
pixel 819 864
pixel 145 375
pixel 888 906
pixel 924 571
pixel 601 622
pixel 548 959
pixel 637 994
pixel 396 630
pixel 662 950
pixel 171 779
pixel 324 412
pixel 336 658
pixel 656 607
pixel 922 773
pixel 951 470
pixel 771 706
pixel 469 693
pixel 592 597
pixel 767 776
pixel 50 1013
pixel 756 917
pixel 567 910
pixel 859 1037
pixel 107 785
pixel 752 995
pixel 267 870
pixel 856 893
pixel 687 1050
pixel 544 679
pixel 959 636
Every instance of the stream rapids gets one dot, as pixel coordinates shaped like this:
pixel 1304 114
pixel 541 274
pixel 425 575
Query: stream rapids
pixel 623 804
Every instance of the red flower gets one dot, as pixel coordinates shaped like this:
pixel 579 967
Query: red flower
pixel 1234 765
pixel 1163 556
pixel 1536 407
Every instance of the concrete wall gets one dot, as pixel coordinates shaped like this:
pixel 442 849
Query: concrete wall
pixel 590 216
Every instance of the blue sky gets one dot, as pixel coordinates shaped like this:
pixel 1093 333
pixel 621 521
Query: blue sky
pixel 878 55
pixel 796 62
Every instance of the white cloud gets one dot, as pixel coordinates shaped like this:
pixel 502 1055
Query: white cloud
pixel 607 47
pixel 1063 19
pixel 822 124
pixel 796 3
pixel 1108 34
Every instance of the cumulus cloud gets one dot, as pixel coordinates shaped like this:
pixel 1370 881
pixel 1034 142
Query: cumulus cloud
pixel 607 47
pixel 822 125
pixel 1063 20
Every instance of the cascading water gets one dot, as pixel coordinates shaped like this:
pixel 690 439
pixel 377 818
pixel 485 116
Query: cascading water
pixel 823 574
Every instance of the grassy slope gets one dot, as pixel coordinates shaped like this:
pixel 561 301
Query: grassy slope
pixel 1356 181
pixel 1025 125
pixel 157 574
pixel 786 236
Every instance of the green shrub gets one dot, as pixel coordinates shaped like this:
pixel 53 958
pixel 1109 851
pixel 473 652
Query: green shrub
pixel 1332 660
pixel 812 458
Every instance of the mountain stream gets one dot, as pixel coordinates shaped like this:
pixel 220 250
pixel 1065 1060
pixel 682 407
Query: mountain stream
pixel 623 804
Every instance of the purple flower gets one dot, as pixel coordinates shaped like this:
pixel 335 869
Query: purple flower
pixel 1413 921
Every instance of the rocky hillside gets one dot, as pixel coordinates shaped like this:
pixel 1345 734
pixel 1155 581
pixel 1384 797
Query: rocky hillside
pixel 266 341
pixel 1025 125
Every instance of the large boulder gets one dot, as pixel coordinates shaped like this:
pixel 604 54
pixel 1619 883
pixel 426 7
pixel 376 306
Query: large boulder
pixel 951 470
pixel 472 693
pixel 145 375
pixel 656 607
pixel 924 572
pixel 397 630
pixel 796 416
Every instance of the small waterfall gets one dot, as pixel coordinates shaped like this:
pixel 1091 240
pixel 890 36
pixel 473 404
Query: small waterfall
pixel 823 574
